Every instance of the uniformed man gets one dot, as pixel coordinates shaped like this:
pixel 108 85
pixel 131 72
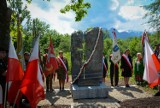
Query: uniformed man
pixel 49 77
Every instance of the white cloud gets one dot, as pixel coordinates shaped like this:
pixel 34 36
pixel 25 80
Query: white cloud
pixel 130 2
pixel 115 4
pixel 58 21
pixel 132 12
pixel 135 25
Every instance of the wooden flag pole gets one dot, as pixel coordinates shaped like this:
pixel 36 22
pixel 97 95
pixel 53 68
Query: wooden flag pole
pixel 16 98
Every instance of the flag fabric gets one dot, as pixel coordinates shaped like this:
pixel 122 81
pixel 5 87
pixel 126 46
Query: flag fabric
pixel 14 74
pixel 152 65
pixel 144 36
pixel 1 97
pixel 13 92
pixel 14 71
pixel 32 84
pixel 51 62
pixel 116 56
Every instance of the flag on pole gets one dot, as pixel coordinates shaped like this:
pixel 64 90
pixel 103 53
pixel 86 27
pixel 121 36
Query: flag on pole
pixel 14 74
pixel 1 97
pixel 152 65
pixel 32 84
pixel 14 71
pixel 116 56
pixel 51 62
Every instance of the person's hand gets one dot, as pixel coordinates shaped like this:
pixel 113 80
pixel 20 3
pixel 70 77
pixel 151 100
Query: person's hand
pixel 122 70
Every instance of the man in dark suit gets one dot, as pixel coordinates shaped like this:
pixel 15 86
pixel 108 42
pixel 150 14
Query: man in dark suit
pixel 114 73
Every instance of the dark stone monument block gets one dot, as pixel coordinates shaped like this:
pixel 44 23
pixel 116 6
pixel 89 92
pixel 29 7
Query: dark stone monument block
pixel 93 72
pixel 90 84
pixel 76 53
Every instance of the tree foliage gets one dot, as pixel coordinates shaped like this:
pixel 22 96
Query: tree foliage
pixel 154 14
pixel 79 7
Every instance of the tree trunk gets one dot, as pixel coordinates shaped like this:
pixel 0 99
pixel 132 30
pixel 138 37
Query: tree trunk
pixel 5 17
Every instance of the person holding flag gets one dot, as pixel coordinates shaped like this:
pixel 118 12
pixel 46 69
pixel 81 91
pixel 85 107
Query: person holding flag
pixel 114 72
pixel 62 70
pixel 126 66
pixel 114 59
pixel 50 65
pixel 48 77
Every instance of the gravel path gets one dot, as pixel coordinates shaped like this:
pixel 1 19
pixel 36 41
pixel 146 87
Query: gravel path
pixel 116 95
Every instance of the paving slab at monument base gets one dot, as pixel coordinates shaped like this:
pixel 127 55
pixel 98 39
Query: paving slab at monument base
pixel 86 92
pixel 116 95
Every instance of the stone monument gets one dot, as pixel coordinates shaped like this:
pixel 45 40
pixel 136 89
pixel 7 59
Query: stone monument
pixel 89 84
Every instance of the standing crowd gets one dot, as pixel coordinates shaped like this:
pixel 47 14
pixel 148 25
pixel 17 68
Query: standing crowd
pixel 61 74
pixel 125 64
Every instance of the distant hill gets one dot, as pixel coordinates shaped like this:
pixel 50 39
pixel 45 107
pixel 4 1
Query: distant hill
pixel 125 34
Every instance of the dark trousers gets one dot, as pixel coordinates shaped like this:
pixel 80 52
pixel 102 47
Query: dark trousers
pixel 49 82
pixel 114 74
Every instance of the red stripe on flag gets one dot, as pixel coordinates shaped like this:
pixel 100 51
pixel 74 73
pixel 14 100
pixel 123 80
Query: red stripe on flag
pixel 31 73
pixel 12 92
pixel 156 62
pixel 14 72
pixel 51 62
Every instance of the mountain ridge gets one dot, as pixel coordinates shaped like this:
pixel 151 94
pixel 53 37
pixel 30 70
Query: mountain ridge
pixel 124 34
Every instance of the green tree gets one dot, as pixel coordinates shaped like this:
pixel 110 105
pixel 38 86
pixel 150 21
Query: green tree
pixel 77 6
pixel 32 30
pixel 154 15
pixel 65 44
pixel 108 46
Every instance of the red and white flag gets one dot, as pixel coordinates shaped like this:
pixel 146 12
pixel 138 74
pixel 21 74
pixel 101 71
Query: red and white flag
pixel 1 97
pixel 32 84
pixel 14 71
pixel 152 65
pixel 51 62
pixel 14 74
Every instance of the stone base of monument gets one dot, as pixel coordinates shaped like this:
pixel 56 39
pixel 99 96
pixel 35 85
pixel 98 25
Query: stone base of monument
pixel 79 92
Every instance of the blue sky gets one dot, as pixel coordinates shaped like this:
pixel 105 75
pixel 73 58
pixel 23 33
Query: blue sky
pixel 123 15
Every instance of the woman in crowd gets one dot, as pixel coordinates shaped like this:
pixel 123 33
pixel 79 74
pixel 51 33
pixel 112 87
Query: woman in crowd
pixel 62 70
pixel 126 66
pixel 139 69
